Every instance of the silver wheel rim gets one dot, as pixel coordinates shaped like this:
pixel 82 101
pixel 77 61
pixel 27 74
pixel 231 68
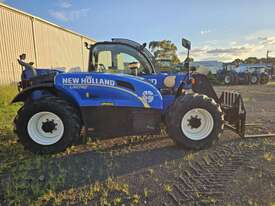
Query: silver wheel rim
pixel 197 131
pixel 45 128
pixel 227 79
pixel 254 79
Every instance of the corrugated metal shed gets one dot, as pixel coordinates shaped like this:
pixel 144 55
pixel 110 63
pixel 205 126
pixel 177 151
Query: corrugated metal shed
pixel 46 44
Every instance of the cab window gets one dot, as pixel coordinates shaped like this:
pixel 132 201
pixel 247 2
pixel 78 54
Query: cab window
pixel 116 58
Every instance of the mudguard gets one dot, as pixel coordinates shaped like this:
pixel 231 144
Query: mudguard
pixel 203 86
pixel 29 91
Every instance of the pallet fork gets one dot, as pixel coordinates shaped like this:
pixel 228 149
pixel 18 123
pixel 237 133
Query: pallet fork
pixel 235 114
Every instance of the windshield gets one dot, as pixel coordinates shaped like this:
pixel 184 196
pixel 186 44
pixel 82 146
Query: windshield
pixel 136 45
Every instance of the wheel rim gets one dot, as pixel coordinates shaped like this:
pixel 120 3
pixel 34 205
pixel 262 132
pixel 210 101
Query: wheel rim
pixel 227 79
pixel 254 79
pixel 45 128
pixel 197 124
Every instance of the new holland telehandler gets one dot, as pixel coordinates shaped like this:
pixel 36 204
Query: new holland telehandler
pixel 121 94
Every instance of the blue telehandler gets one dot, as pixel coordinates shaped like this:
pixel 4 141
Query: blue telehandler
pixel 121 94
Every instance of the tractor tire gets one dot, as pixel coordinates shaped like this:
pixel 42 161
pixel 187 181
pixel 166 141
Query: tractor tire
pixel 195 121
pixel 229 79
pixel 254 79
pixel 48 125
pixel 264 79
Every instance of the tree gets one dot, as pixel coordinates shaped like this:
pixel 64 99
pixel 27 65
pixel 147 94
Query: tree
pixel 237 62
pixel 164 49
pixel 251 60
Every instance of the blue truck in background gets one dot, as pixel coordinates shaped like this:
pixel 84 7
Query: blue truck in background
pixel 121 94
pixel 245 74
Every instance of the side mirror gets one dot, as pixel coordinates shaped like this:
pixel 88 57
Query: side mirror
pixel 22 57
pixel 186 43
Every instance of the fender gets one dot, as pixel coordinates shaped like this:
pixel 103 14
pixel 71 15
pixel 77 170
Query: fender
pixel 203 86
pixel 24 94
pixel 44 89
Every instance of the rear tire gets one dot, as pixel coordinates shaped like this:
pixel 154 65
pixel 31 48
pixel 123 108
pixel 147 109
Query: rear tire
pixel 195 121
pixel 48 125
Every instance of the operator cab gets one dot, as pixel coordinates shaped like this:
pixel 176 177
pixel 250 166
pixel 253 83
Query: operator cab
pixel 121 56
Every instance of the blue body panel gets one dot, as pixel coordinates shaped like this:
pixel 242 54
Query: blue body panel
pixel 93 89
pixel 101 89
pixel 158 81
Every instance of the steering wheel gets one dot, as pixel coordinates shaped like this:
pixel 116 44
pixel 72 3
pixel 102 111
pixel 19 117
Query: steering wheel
pixel 133 67
pixel 101 68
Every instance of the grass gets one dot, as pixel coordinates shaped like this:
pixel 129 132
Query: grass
pixel 268 156
pixel 28 179
pixel 167 188
pixel 189 157
pixel 7 111
pixel 21 185
pixel 9 149
pixel 271 83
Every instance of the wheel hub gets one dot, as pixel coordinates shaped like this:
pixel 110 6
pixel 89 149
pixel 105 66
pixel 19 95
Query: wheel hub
pixel 49 126
pixel 227 79
pixel 197 124
pixel 45 128
pixel 194 122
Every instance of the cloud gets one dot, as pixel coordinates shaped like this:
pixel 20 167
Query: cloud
pixel 221 54
pixel 65 4
pixel 2 1
pixel 267 40
pixel 69 15
pixel 254 45
pixel 232 51
pixel 205 32
pixel 65 11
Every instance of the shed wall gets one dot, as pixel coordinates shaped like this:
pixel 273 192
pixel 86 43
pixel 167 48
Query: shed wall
pixel 46 44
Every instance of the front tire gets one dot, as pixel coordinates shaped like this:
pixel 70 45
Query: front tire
pixel 229 79
pixel 195 121
pixel 48 125
pixel 254 79
pixel 264 78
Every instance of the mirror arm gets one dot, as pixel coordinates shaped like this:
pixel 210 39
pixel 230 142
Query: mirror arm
pixel 87 45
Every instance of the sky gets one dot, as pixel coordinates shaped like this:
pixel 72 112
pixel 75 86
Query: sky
pixel 218 29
